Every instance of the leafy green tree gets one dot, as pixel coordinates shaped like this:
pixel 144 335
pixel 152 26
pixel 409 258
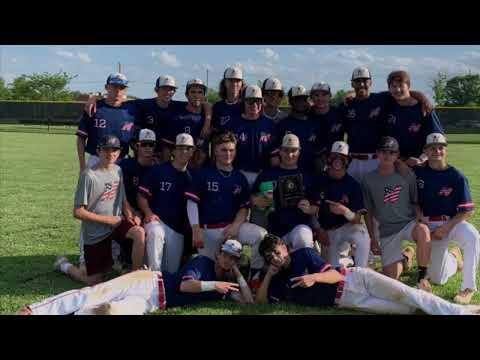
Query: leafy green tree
pixel 45 86
pixel 463 90
pixel 438 85
pixel 4 91
pixel 212 96
pixel 337 99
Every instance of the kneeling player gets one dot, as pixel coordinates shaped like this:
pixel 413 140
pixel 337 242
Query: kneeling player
pixel 304 278
pixel 144 291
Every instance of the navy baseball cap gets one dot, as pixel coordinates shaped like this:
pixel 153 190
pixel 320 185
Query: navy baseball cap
pixel 117 79
pixel 109 141
pixel 388 143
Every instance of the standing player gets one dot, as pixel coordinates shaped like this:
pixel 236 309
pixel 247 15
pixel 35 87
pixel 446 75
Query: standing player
pixel 305 279
pixel 338 201
pixel 446 205
pixel 273 94
pixel 99 202
pixel 230 91
pixel 162 200
pixel 218 203
pixel 405 120
pixel 392 200
pixel 145 291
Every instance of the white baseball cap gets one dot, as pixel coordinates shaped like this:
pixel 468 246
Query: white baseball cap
pixel 146 135
pixel 272 84
pixel 252 92
pixel 165 80
pixel 232 247
pixel 118 79
pixel 196 81
pixel 184 139
pixel 436 138
pixel 361 73
pixel 291 141
pixel 321 86
pixel 298 90
pixel 340 147
pixel 233 73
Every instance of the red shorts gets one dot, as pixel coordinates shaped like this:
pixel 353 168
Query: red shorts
pixel 98 257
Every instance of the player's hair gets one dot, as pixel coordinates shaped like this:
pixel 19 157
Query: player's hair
pixel 268 244
pixel 224 137
pixel 398 75
pixel 204 88
pixel 102 309
pixel 222 89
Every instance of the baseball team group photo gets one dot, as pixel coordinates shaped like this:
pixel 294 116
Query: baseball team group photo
pixel 333 181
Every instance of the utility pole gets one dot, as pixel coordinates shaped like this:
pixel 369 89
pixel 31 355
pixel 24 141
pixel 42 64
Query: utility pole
pixel 207 78
pixel 119 67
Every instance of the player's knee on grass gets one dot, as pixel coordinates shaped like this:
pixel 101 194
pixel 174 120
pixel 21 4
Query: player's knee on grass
pixel 302 237
pixel 421 233
pixel 393 270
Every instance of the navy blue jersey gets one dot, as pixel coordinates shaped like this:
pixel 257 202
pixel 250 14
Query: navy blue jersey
pixel 255 142
pixel 282 220
pixel 362 121
pixel 408 125
pixel 329 129
pixel 164 187
pixel 199 268
pixel 443 192
pixel 304 261
pixel 219 194
pixel 153 117
pixel 346 191
pixel 223 113
pixel 133 173
pixel 108 120
pixel 306 131
pixel 184 121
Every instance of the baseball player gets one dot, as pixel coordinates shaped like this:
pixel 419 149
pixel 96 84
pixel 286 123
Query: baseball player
pixel 145 291
pixel 446 204
pixel 273 94
pixel 302 277
pixel 162 200
pixel 190 119
pixel 392 200
pixel 230 91
pixel 218 204
pixel 254 133
pixel 405 121
pixel 329 125
pixel 300 124
pixel 337 199
pixel 99 203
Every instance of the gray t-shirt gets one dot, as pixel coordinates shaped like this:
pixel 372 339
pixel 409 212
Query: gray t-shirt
pixel 279 116
pixel 390 199
pixel 101 192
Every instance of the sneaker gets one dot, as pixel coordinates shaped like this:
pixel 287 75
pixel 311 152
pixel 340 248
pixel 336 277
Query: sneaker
pixel 464 297
pixel 408 254
pixel 455 251
pixel 58 262
pixel 424 285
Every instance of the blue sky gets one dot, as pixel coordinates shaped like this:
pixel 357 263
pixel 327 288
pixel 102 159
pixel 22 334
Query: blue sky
pixel 292 64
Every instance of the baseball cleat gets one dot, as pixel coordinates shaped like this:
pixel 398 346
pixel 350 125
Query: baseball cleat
pixel 408 254
pixel 424 285
pixel 464 297
pixel 455 251
pixel 58 262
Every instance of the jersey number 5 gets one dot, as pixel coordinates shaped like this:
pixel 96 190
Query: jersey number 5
pixel 212 185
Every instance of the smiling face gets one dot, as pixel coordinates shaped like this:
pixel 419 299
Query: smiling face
pixel 182 154
pixel 337 165
pixel 116 93
pixel 387 157
pixel 437 152
pixel 165 93
pixel 320 98
pixel 272 98
pixel 289 156
pixel 225 153
pixel 300 104
pixel 278 256
pixel 400 90
pixel 108 156
pixel 362 87
pixel 195 95
pixel 233 87
pixel 253 107
pixel 226 261
pixel 145 149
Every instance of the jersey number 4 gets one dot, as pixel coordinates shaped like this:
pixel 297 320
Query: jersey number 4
pixel 165 186
pixel 212 185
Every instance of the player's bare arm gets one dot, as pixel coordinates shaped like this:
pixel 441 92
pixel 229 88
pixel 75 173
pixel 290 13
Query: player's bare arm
pixel 196 286
pixel 374 245
pixel 261 201
pixel 306 207
pixel 129 214
pixel 261 297
pixel 145 208
pixel 91 104
pixel 442 231
pixel 207 126
pixel 81 142
pixel 340 209
pixel 82 213
pixel 246 294
pixel 197 237
pixel 231 231
pixel 327 277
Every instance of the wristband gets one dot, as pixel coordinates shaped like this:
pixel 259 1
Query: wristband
pixel 349 215
pixel 207 285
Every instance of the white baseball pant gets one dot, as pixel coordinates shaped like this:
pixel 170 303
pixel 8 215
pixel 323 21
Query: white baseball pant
pixel 443 264
pixel 369 291
pixel 164 247
pixel 299 237
pixel 248 234
pixel 349 234
pixel 135 293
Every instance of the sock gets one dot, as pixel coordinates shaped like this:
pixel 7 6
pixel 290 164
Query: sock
pixel 422 272
pixel 65 266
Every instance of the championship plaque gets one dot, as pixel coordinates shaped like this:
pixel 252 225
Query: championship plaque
pixel 290 190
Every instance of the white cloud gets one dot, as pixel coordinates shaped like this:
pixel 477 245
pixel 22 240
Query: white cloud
pixel 167 58
pixel 84 57
pixel 471 58
pixel 310 51
pixel 269 54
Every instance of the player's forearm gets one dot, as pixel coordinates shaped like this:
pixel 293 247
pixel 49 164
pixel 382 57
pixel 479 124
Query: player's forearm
pixel 81 152
pixel 127 209
pixel 196 286
pixel 143 205
pixel 261 296
pixel 313 210
pixel 241 216
pixel 83 214
pixel 329 277
pixel 244 289
pixel 462 216
pixel 369 223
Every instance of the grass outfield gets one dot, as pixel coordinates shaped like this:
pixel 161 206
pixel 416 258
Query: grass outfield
pixel 38 177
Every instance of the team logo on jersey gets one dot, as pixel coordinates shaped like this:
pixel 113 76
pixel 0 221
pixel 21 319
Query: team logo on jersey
pixel 150 120
pixel 414 128
pixel 420 183
pixel 391 119
pixel 135 181
pixel 335 128
pixel 264 137
pixel 312 138
pixel 127 126
pixel 110 191
pixel 345 200
pixel 243 137
pixel 351 114
pixel 391 194
pixel 374 113
pixel 237 190
pixel 224 119
pixel 444 191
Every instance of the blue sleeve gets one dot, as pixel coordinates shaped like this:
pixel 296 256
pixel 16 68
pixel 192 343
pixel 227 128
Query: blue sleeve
pixel 315 264
pixel 245 193
pixel 356 203
pixel 146 187
pixel 192 271
pixel 83 126
pixel 464 198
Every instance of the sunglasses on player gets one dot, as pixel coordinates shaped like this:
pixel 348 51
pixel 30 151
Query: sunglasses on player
pixel 253 101
pixel 147 144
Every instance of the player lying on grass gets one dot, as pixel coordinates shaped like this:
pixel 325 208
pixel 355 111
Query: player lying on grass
pixel 144 291
pixel 304 278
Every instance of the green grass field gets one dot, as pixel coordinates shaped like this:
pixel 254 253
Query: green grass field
pixel 38 178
